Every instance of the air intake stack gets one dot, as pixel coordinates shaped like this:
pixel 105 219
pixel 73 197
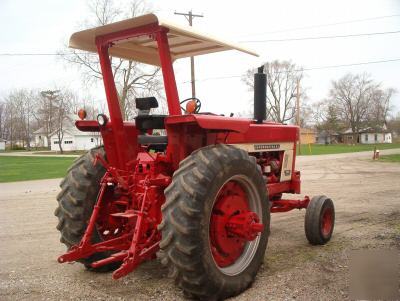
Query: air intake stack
pixel 260 95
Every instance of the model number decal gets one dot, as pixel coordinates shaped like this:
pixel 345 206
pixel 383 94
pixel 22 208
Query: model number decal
pixel 266 146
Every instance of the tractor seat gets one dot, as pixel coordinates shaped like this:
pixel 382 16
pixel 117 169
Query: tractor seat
pixel 149 122
pixel 144 122
pixel 152 139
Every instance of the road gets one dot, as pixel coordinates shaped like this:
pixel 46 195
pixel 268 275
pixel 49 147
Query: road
pixel 366 196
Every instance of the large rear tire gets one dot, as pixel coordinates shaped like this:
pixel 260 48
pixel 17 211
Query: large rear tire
pixel 189 245
pixel 79 190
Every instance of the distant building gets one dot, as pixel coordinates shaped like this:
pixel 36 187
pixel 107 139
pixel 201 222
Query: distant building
pixel 368 135
pixel 327 137
pixel 2 144
pixel 371 136
pixel 39 138
pixel 74 139
pixel 307 136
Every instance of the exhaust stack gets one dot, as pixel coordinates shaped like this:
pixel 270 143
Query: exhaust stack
pixel 260 95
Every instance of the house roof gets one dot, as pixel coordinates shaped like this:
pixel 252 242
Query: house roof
pixel 374 130
pixel 40 131
pixel 378 129
pixel 73 131
pixel 325 133
pixel 184 41
pixel 307 131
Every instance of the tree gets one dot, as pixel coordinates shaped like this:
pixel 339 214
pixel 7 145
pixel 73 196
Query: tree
pixel 62 115
pixel 380 107
pixel 394 125
pixel 9 131
pixel 45 112
pixel 132 79
pixel 306 114
pixel 57 112
pixel 360 102
pixel 16 120
pixel 327 118
pixel 352 96
pixel 282 80
pixel 2 118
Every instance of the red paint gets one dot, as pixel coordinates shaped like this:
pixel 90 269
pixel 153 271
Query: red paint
pixel 171 90
pixel 113 107
pixel 232 224
pixel 212 122
pixel 283 205
pixel 327 222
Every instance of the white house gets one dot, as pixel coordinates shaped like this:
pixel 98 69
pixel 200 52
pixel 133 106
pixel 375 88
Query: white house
pixel 73 139
pixel 2 144
pixel 39 138
pixel 371 136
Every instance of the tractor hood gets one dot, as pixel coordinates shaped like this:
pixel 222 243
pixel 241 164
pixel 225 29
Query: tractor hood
pixel 183 41
pixel 212 122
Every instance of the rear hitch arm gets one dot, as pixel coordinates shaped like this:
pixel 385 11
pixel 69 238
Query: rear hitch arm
pixel 85 248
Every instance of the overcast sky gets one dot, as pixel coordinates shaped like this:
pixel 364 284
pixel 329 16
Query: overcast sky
pixel 44 26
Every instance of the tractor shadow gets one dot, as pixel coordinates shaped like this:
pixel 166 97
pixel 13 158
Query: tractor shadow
pixel 148 282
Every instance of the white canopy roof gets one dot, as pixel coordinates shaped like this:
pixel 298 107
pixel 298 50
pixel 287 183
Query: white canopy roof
pixel 183 41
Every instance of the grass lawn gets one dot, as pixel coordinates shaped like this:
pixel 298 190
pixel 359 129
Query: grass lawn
pixel 59 153
pixel 320 149
pixel 32 168
pixel 390 158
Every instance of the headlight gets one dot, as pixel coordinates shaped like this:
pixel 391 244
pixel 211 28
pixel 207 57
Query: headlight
pixel 102 119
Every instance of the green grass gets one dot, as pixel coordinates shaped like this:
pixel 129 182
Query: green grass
pixel 390 158
pixel 32 168
pixel 77 152
pixel 320 149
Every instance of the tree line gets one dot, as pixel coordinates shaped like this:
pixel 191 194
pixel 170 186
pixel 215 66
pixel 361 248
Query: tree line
pixel 24 111
pixel 354 101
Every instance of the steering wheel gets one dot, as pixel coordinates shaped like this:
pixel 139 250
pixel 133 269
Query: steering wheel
pixel 197 103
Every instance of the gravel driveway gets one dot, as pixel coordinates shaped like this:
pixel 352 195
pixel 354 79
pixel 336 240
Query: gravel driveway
pixel 366 196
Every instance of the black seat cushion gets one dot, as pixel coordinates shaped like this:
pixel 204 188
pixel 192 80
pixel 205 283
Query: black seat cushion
pixel 146 103
pixel 152 139
pixel 149 122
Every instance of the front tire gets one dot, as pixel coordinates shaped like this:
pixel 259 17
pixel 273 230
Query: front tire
pixel 192 246
pixel 319 220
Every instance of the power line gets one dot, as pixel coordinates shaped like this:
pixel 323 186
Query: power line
pixel 250 41
pixel 306 69
pixel 44 54
pixel 322 25
pixel 324 37
pixel 31 54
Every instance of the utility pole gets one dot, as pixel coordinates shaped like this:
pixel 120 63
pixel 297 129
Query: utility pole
pixel 298 111
pixel 189 16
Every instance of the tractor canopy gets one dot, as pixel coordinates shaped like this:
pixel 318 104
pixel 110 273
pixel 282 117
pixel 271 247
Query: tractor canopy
pixel 183 40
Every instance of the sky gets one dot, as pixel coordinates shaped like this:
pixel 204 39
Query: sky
pixel 44 26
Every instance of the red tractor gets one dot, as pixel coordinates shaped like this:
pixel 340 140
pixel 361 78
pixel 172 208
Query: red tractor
pixel 199 197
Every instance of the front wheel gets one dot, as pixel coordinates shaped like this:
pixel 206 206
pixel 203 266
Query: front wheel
pixel 215 224
pixel 319 220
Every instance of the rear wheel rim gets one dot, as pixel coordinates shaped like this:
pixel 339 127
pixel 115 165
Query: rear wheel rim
pixel 327 222
pixel 233 255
